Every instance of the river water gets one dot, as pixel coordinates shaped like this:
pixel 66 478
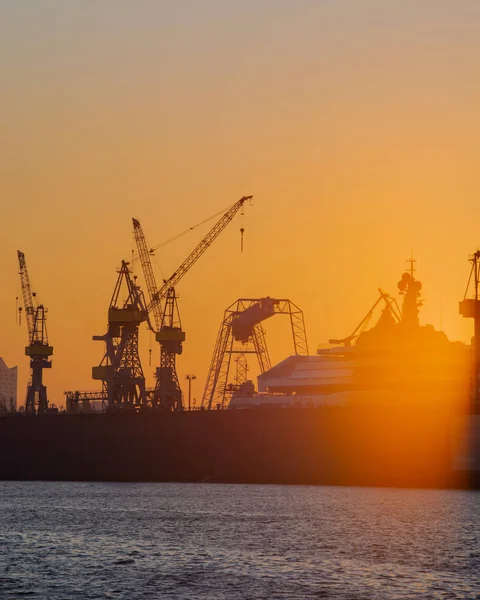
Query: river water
pixel 212 541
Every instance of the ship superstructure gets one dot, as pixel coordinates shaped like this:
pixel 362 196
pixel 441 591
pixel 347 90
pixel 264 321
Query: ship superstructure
pixel 398 360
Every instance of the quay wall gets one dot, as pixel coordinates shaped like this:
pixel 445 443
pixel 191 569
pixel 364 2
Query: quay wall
pixel 317 446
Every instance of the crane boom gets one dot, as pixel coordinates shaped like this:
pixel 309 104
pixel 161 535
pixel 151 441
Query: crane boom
pixel 27 295
pixel 144 256
pixel 196 253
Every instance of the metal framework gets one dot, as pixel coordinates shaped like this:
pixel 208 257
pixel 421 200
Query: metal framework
pixel 167 394
pixel 84 402
pixel 241 370
pixel 241 334
pixel 38 349
pixel 121 373
pixel 144 254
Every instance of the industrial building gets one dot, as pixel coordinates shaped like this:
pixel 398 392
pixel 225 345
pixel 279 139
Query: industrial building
pixel 8 388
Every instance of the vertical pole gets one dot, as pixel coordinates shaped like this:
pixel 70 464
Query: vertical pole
pixel 190 378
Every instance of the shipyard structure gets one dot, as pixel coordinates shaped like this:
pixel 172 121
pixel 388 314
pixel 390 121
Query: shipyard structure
pixel 394 403
pixel 396 362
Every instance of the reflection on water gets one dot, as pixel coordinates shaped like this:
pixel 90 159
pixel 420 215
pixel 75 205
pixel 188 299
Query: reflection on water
pixel 91 540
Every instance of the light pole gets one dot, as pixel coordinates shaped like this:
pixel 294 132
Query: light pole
pixel 190 377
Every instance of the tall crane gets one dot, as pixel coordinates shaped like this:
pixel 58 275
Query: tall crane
pixel 163 305
pixel 38 348
pixel 168 332
pixel 120 370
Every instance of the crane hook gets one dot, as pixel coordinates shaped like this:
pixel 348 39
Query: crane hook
pixel 241 238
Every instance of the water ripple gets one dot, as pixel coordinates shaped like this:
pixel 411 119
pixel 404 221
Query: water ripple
pixel 174 541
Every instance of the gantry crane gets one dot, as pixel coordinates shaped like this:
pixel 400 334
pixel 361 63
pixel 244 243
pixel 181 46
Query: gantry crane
pixel 241 334
pixel 163 305
pixel 38 348
pixel 120 370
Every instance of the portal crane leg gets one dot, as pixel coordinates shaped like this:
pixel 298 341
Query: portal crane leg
pixel 219 367
pixel 128 381
pixel 168 394
pixel 37 402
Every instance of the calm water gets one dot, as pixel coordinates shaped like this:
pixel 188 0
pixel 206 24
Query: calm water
pixel 89 540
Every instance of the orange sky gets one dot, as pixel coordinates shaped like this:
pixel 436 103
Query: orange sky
pixel 354 125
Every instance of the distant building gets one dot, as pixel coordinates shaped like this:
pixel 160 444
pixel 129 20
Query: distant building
pixel 8 388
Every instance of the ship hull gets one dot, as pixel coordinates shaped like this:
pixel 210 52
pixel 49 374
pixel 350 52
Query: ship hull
pixel 314 446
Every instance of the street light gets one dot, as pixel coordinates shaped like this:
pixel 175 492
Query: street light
pixel 190 377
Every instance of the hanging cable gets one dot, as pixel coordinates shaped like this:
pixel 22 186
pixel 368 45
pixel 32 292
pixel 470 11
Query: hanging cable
pixel 179 235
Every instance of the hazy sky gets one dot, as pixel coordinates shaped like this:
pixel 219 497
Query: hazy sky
pixel 355 125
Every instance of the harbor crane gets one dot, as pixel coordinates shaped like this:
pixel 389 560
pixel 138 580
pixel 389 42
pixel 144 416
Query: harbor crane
pixel 164 308
pixel 168 332
pixel 38 348
pixel 120 370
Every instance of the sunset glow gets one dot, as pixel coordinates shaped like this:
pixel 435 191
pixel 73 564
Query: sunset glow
pixel 354 126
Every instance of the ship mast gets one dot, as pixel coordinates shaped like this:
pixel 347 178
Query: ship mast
pixel 412 260
pixel 409 288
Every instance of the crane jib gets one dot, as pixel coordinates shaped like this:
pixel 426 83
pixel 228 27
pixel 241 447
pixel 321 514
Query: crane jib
pixel 197 253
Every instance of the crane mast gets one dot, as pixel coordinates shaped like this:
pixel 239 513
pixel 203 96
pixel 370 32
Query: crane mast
pixel 38 348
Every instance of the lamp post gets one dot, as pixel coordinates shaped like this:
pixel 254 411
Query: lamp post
pixel 190 378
